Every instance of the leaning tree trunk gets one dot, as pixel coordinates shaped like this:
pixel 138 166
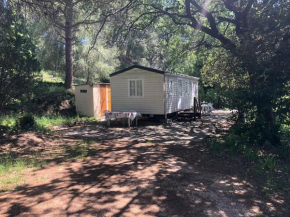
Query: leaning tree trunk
pixel 69 47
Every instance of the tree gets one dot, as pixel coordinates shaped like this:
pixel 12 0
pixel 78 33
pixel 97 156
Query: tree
pixel 254 32
pixel 94 63
pixel 17 56
pixel 67 16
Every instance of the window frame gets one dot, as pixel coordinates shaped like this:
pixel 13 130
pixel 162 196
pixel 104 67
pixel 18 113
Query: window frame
pixel 194 88
pixel 187 88
pixel 179 94
pixel 170 92
pixel 142 82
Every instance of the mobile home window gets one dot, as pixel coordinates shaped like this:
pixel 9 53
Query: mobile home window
pixel 170 86
pixel 83 91
pixel 136 88
pixel 179 87
pixel 194 89
pixel 187 87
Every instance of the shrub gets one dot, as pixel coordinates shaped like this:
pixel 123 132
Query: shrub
pixel 48 98
pixel 27 122
pixel 268 162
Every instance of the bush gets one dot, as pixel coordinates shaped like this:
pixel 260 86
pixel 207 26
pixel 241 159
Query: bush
pixel 26 122
pixel 49 98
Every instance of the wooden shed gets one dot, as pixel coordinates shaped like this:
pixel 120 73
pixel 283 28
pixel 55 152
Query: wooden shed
pixel 93 100
pixel 151 91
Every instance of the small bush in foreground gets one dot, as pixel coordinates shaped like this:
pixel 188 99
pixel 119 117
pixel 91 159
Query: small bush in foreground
pixel 26 122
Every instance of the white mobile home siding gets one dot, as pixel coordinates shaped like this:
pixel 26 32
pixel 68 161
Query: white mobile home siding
pixel 175 103
pixel 152 101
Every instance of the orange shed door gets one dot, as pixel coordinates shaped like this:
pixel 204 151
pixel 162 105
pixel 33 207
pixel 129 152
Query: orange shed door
pixel 105 94
pixel 109 97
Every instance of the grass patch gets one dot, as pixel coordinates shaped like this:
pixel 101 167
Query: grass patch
pixel 268 162
pixel 49 121
pixel 10 123
pixel 51 76
pixel 76 152
pixel 7 124
pixel 56 77
pixel 273 185
pixel 12 168
pixel 87 141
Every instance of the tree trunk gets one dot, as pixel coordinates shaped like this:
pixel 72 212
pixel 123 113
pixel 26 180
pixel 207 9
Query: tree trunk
pixel 69 47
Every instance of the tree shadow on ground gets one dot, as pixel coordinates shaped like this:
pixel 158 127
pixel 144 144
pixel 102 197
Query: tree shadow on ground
pixel 145 172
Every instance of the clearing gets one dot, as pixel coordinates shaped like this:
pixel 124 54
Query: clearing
pixel 152 170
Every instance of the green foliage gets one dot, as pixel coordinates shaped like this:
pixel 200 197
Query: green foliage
pixel 50 98
pixel 8 124
pixel 217 147
pixel 94 64
pixel 52 120
pixel 12 167
pixel 8 121
pixel 51 76
pixel 234 144
pixel 285 132
pixel 244 51
pixel 17 57
pixel 76 152
pixel 268 162
pixel 273 185
pixel 251 155
pixel 12 161
pixel 12 123
pixel 26 122
pixel 45 98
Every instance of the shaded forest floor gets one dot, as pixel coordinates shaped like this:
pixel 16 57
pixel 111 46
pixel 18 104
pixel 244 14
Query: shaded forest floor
pixel 150 170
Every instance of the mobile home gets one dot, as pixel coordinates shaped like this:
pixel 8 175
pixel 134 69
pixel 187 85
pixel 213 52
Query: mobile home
pixel 151 91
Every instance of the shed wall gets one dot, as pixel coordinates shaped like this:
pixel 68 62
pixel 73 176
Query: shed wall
pixel 85 101
pixel 152 101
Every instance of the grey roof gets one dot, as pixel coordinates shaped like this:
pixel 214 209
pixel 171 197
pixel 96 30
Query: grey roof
pixel 151 70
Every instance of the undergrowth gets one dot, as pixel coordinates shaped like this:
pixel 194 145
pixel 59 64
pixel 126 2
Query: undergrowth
pixel 10 124
pixel 265 159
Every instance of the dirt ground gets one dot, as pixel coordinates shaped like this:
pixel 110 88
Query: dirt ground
pixel 152 170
